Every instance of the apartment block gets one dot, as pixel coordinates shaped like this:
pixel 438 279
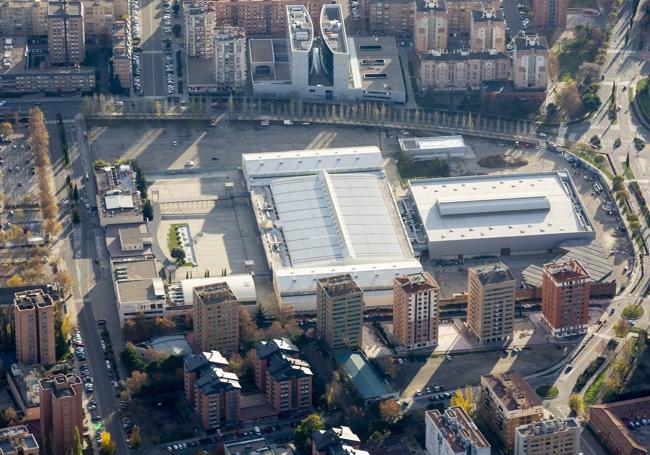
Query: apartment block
pixel 391 17
pixel 17 440
pixel 213 392
pixel 336 441
pixel 98 18
pixel 267 18
pixel 339 311
pixel 487 30
pixel 490 302
pixel 285 379
pixel 611 421
pixel 23 18
pixel 431 25
pixel 462 70
pixel 230 59
pixel 453 432
pixel 66 35
pixel 550 13
pixel 530 62
pixel 216 318
pixel 508 402
pixel 460 13
pixel 34 315
pixel 199 28
pixel 122 64
pixel 550 436
pixel 61 412
pixel 565 298
pixel 120 8
pixel 415 310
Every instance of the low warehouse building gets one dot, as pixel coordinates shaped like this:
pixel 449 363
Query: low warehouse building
pixel 500 215
pixel 426 148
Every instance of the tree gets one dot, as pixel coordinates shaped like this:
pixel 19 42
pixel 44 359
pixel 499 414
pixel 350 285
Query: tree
pixel 588 73
pixel 176 29
pixel 261 318
pixel 64 279
pixel 302 435
pixel 568 98
pixel 76 217
pixel 6 129
pixel 178 254
pixel 77 447
pixel 75 193
pixel 8 417
pixel 617 182
pixel 106 445
pixel 577 404
pixel 135 438
pixel 466 399
pixel 157 108
pixel 390 411
pixel 147 210
pixel 15 280
pixel 551 110
pixel 131 358
pixel 247 328
pixel 136 381
pixel 334 392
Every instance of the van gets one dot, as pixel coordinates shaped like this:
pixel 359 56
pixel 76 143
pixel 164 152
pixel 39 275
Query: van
pixel 257 431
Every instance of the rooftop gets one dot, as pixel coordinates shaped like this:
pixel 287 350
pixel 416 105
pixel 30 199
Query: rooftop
pixel 241 285
pixel 427 5
pixel 333 29
pixel 499 206
pixel 118 177
pixel 362 375
pixel 301 29
pixel 337 441
pixel 215 293
pixel 29 300
pixel 170 344
pixel 417 282
pixel 458 429
pixel 548 426
pixel 12 438
pixel 568 270
pixel 615 416
pixel 135 291
pixel 61 385
pixel 256 446
pixel 261 50
pixel 265 349
pixel 530 42
pixel 487 15
pixel 136 269
pixel 215 380
pixel 269 60
pixel 201 360
pixel 113 235
pixel 69 8
pixel 375 64
pixel 337 285
pixel 431 143
pixel 200 72
pixel 493 273
pixel 463 55
pixel 282 368
pixel 512 391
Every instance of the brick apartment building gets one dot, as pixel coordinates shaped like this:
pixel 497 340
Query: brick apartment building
pixel 462 70
pixel 550 13
pixel 213 392
pixel 339 311
pixel 61 412
pixel 487 30
pixel 66 33
pixel 391 17
pixel 453 432
pixel 285 379
pixel 490 302
pixel 530 62
pixel 507 403
pixel 565 298
pixel 263 18
pixel 550 436
pixel 216 318
pixel 336 441
pixel 609 422
pixel 19 17
pixel 34 314
pixel 415 310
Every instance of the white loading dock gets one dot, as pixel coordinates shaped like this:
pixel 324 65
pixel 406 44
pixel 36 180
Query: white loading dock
pixel 426 148
pixel 327 221
pixel 500 214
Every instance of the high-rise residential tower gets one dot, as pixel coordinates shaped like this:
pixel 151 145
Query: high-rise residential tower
pixel 415 310
pixel 339 311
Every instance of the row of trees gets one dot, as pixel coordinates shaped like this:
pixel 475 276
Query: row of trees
pixel 39 140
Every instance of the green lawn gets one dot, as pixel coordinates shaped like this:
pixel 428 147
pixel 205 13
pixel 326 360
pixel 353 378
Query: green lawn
pixel 594 389
pixel 547 392
pixel 632 312
pixel 629 173
pixel 643 98
pixel 172 240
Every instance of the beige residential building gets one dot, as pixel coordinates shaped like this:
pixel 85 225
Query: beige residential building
pixel 415 310
pixel 34 314
pixel 17 440
pixel 548 437
pixel 120 8
pixel 431 25
pixel 339 311
pixel 508 402
pixel 216 318
pixel 487 30
pixel 230 58
pixel 453 432
pixel 550 13
pixel 122 64
pixel 460 13
pixel 391 17
pixel 66 36
pixel 98 18
pixel 530 62
pixel 61 412
pixel 462 70
pixel 23 17
pixel 199 28
pixel 490 302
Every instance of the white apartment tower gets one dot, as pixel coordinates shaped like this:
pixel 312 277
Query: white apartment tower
pixel 230 57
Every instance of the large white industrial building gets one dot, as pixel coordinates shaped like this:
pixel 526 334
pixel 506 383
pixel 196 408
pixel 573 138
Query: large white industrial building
pixel 499 214
pixel 325 212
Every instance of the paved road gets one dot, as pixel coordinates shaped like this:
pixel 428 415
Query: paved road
pixel 153 69
pixel 68 106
